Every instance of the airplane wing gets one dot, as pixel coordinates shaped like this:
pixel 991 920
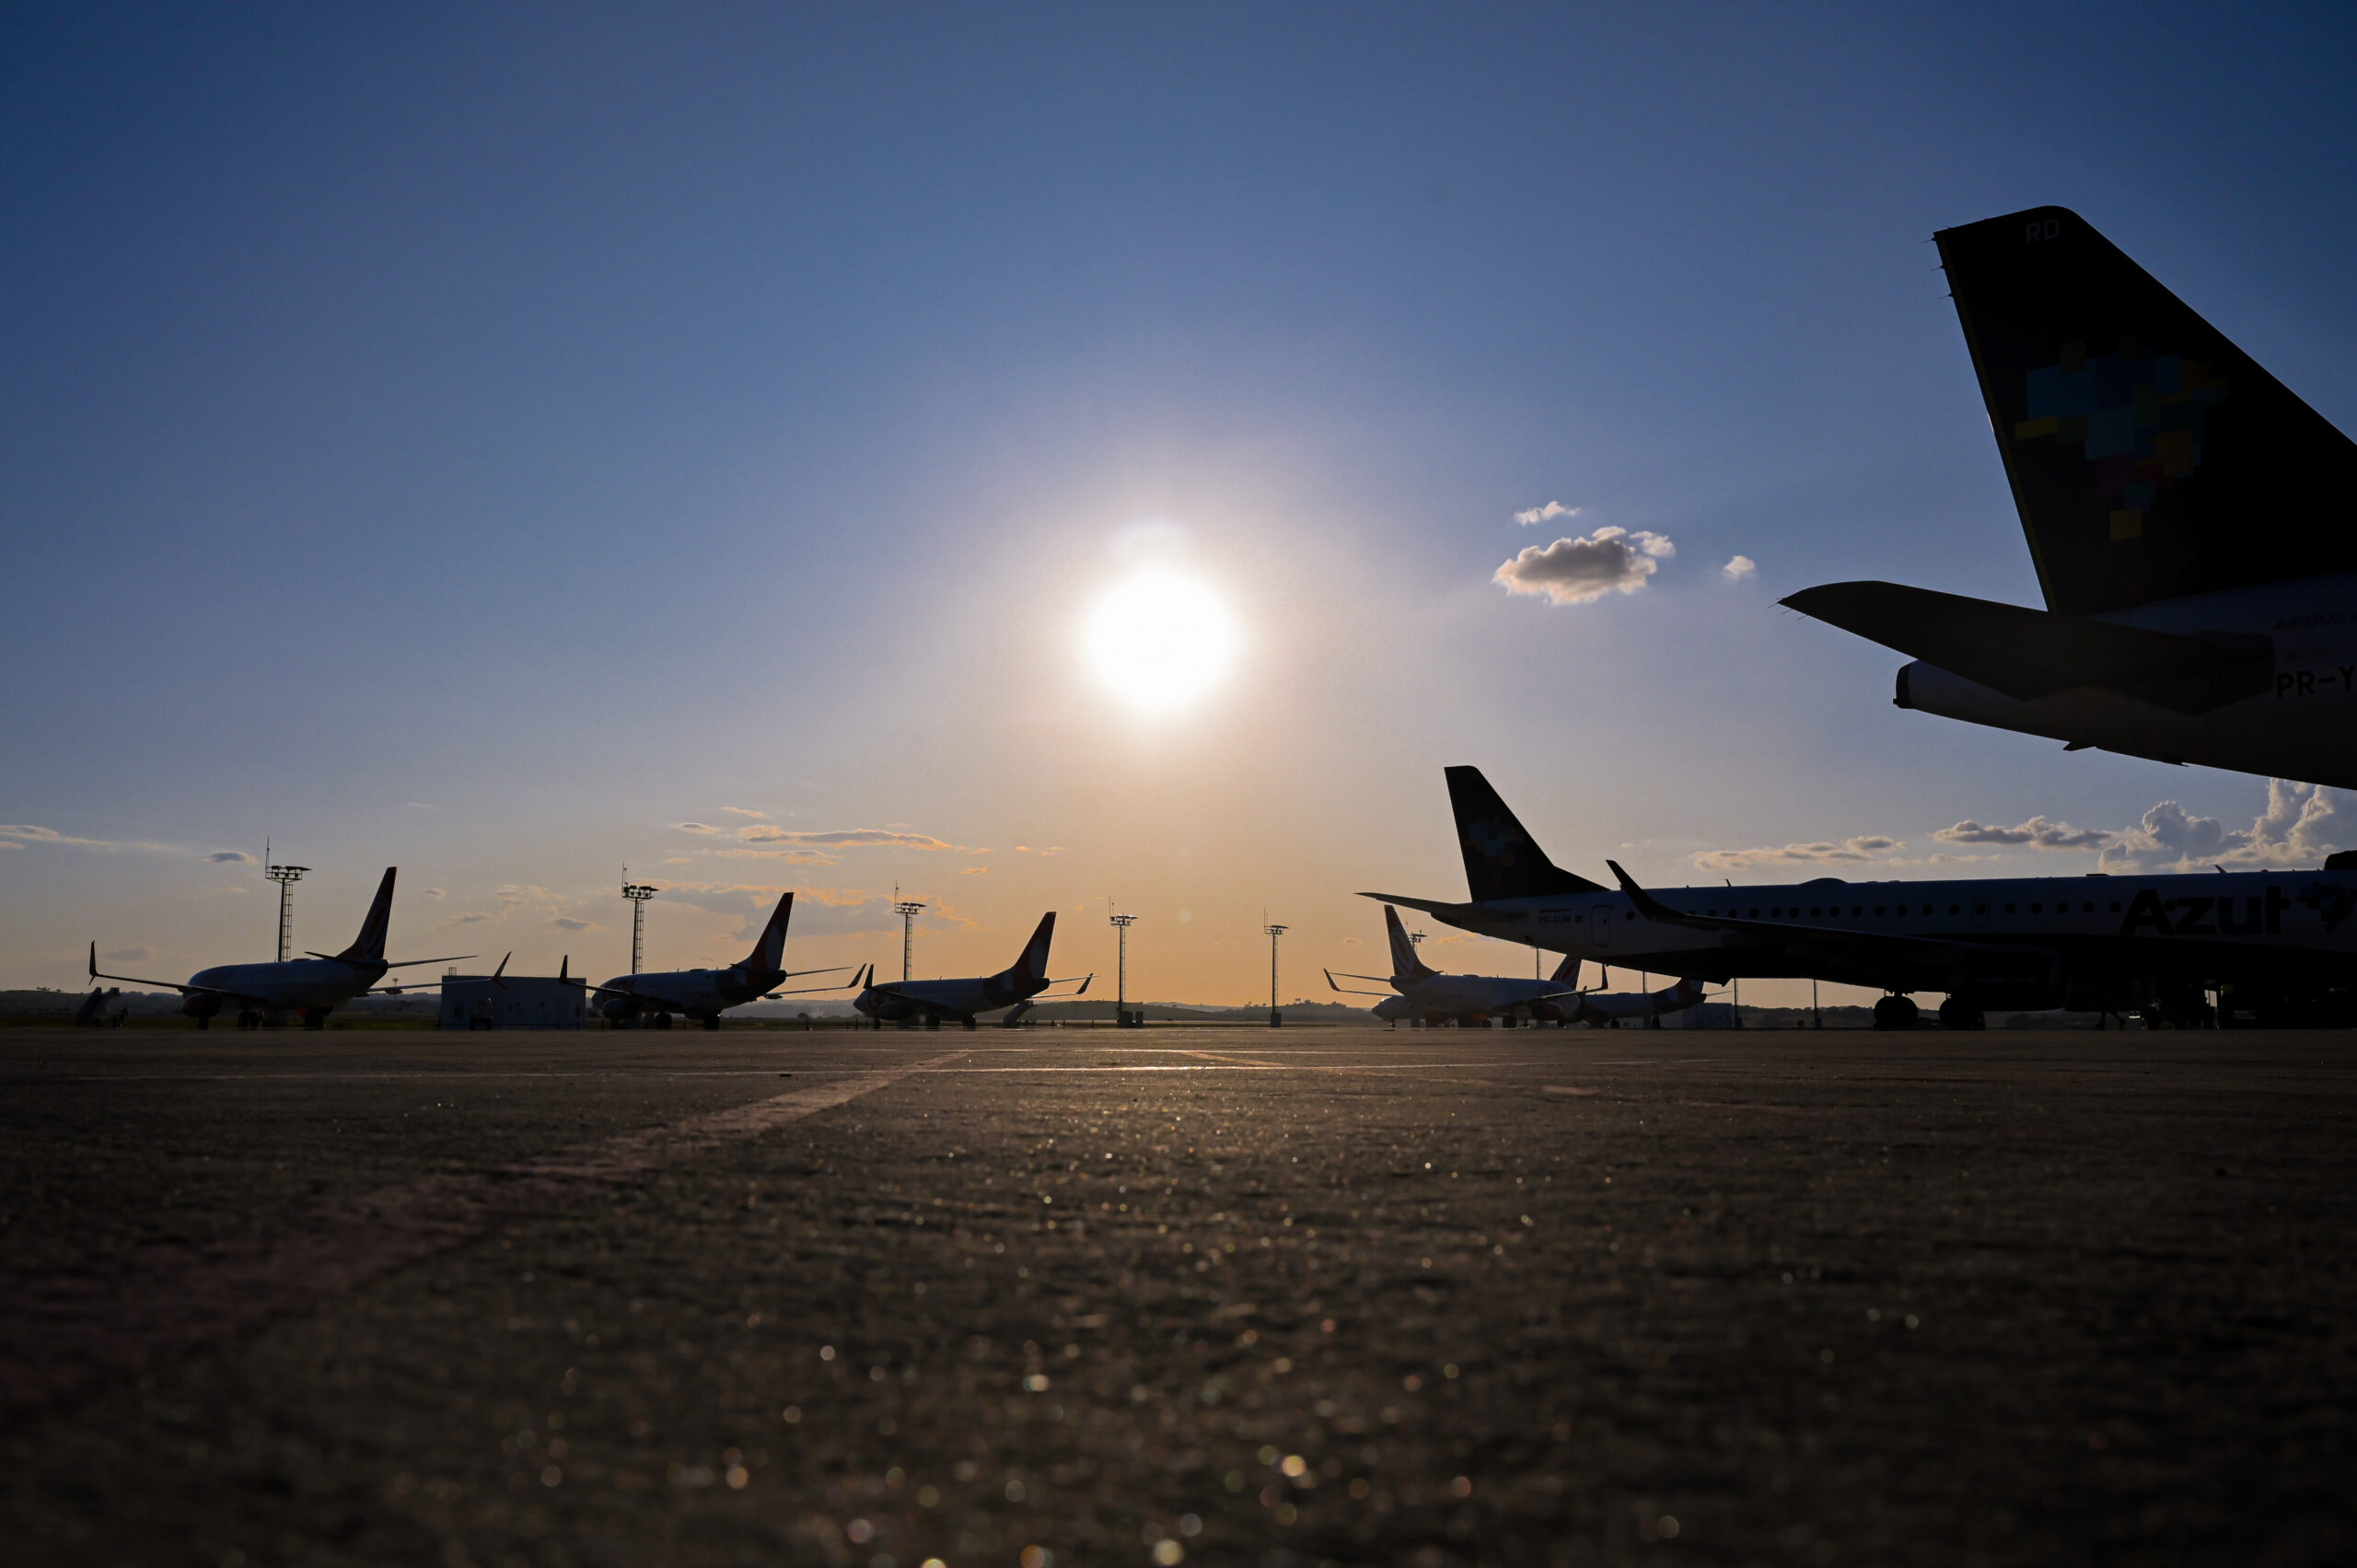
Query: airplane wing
pixel 404 964
pixel 1348 992
pixel 179 985
pixel 808 990
pixel 2029 654
pixel 439 980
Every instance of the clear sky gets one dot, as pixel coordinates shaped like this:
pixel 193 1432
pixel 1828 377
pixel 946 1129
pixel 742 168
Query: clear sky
pixel 512 442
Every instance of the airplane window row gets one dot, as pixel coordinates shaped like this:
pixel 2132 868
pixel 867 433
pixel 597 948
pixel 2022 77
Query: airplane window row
pixel 1820 912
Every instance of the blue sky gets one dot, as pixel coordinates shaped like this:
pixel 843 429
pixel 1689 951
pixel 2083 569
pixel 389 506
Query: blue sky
pixel 486 439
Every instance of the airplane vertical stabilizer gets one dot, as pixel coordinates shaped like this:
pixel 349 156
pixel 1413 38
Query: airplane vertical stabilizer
pixel 2149 458
pixel 1031 969
pixel 768 956
pixel 1406 968
pixel 1502 861
pixel 1567 974
pixel 369 948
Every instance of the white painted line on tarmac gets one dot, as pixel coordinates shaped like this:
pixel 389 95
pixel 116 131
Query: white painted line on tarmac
pixel 59 1330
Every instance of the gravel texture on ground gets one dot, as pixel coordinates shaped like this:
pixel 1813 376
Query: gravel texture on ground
pixel 1215 1295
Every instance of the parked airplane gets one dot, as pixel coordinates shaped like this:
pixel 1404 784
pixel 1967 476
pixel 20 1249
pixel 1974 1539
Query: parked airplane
pixel 2185 510
pixel 1420 990
pixel 313 986
pixel 934 1000
pixel 706 994
pixel 2281 946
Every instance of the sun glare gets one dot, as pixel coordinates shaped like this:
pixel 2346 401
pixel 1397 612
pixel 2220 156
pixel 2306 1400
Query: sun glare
pixel 1160 641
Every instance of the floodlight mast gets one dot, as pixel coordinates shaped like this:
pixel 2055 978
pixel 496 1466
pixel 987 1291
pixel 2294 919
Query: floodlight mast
pixel 637 893
pixel 286 877
pixel 1276 1019
pixel 1121 923
pixel 907 909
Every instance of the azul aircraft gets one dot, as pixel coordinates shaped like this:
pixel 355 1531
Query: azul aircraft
pixel 2186 512
pixel 2281 946
pixel 934 1000
pixel 649 1000
pixel 314 985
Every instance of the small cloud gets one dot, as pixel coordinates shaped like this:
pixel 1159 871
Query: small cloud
pixel 566 923
pixel 2038 833
pixel 694 828
pixel 10 843
pixel 1573 570
pixel 791 856
pixel 128 955
pixel 472 917
pixel 851 838
pixel 434 893
pixel 1739 567
pixel 743 811
pixel 28 834
pixel 974 871
pixel 1847 852
pixel 1547 513
pixel 1023 848
pixel 232 857
pixel 1053 848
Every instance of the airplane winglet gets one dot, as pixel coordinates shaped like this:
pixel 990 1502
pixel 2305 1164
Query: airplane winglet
pixel 502 970
pixel 94 958
pixel 1653 908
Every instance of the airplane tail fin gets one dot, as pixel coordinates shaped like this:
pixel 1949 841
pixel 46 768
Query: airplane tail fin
pixel 1502 861
pixel 2149 456
pixel 1405 965
pixel 1567 974
pixel 1032 967
pixel 768 956
pixel 369 948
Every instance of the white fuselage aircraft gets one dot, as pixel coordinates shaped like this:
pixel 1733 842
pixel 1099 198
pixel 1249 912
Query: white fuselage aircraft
pixel 909 1001
pixel 2281 944
pixel 649 1000
pixel 2185 510
pixel 313 986
pixel 1426 995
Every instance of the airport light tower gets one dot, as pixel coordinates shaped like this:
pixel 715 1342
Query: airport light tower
pixel 286 877
pixel 1276 1019
pixel 637 893
pixel 1121 923
pixel 907 909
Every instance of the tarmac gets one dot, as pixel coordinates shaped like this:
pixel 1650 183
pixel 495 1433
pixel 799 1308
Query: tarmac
pixel 1046 1299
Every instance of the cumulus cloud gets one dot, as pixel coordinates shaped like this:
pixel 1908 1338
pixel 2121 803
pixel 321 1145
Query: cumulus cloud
pixel 566 923
pixel 1847 852
pixel 232 857
pixel 1739 567
pixel 1573 570
pixel 2038 833
pixel 2300 825
pixel 1547 513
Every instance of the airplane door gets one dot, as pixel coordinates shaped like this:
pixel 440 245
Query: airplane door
pixel 1600 925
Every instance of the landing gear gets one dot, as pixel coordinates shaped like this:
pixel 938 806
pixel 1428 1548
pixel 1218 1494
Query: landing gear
pixel 662 1020
pixel 250 1017
pixel 1894 1012
pixel 968 1021
pixel 1955 1013
pixel 315 1018
pixel 711 1020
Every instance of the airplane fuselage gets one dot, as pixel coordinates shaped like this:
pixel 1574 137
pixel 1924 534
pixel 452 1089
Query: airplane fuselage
pixel 2015 942
pixel 1469 995
pixel 2303 726
pixel 946 998
pixel 696 992
pixel 297 985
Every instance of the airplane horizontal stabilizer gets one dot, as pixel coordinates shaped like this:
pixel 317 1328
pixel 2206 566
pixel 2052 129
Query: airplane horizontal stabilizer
pixel 2029 654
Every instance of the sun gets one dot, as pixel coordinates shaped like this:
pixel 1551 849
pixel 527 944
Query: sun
pixel 1160 640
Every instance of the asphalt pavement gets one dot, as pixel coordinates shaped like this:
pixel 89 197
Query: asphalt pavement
pixel 1048 1298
